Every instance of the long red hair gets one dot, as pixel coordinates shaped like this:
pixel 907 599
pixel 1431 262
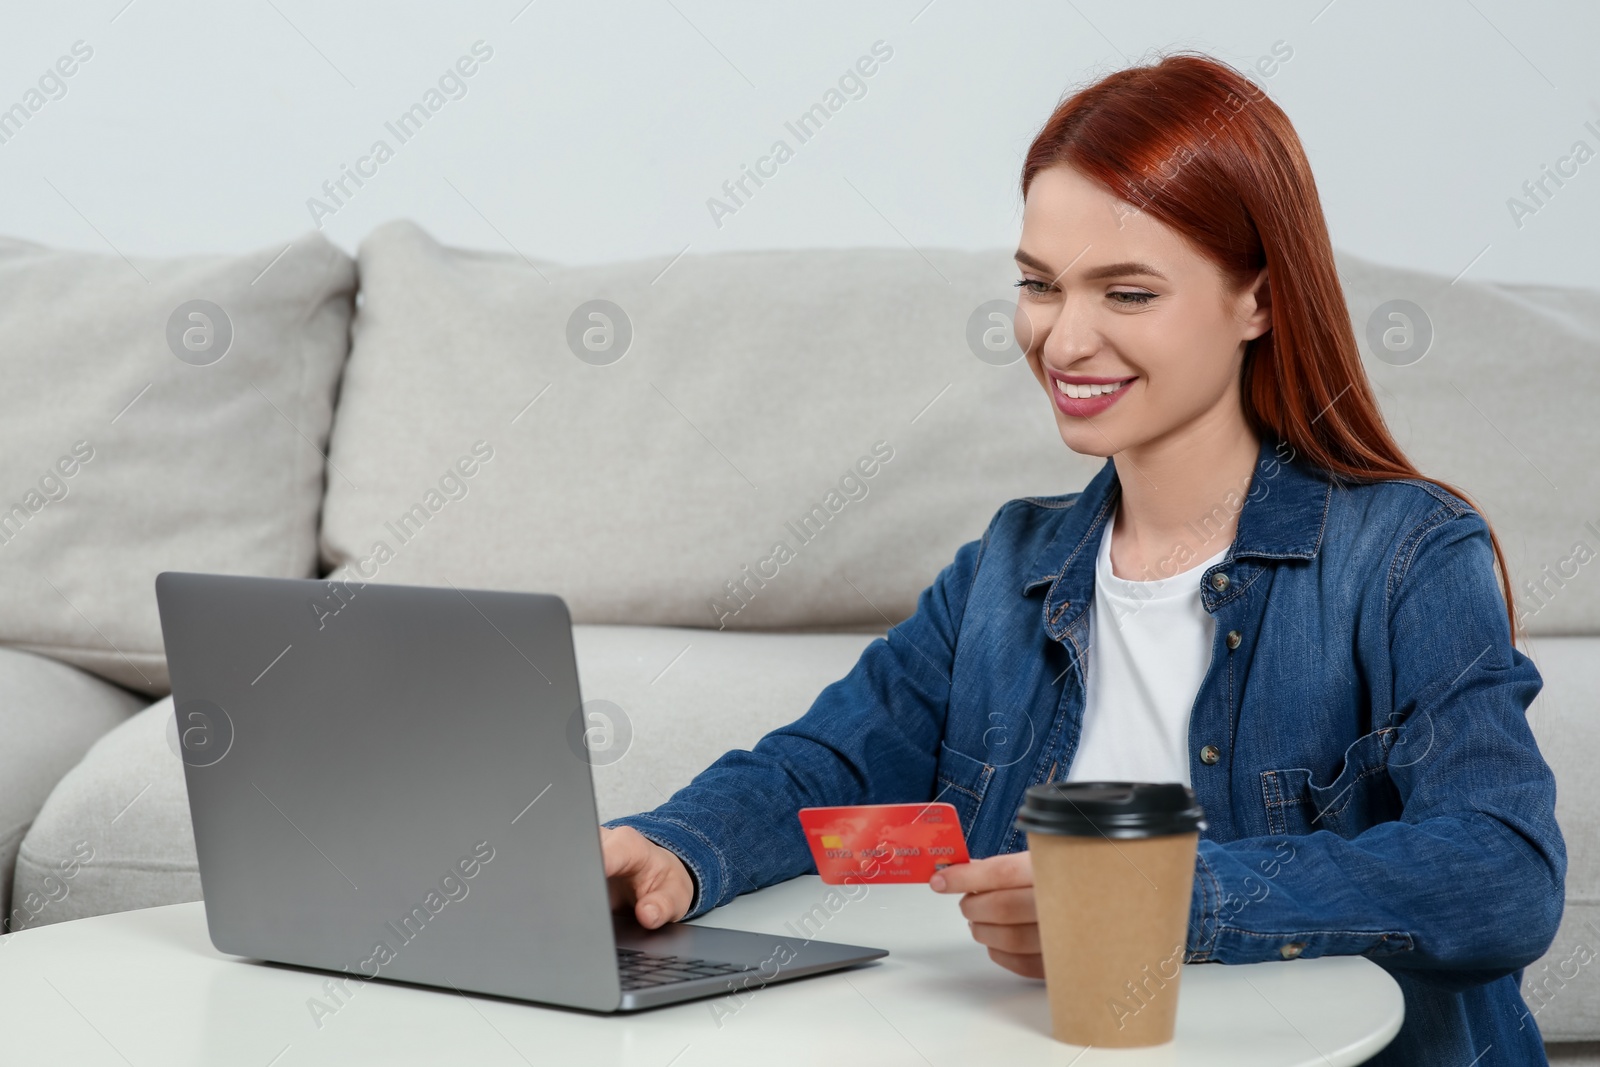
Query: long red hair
pixel 1198 146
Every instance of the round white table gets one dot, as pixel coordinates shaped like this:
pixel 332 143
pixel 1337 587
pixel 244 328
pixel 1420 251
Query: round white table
pixel 146 987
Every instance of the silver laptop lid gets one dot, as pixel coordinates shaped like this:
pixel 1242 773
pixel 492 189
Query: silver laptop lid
pixel 391 780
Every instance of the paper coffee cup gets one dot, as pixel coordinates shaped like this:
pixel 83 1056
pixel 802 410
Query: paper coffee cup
pixel 1113 869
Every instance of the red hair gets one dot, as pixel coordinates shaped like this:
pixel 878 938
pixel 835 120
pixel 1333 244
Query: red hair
pixel 1198 146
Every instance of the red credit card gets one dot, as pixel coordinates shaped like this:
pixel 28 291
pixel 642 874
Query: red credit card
pixel 883 842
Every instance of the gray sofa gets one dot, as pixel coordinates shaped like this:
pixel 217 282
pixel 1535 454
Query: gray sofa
pixel 289 431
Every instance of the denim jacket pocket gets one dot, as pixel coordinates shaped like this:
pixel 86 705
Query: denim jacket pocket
pixel 962 782
pixel 1360 796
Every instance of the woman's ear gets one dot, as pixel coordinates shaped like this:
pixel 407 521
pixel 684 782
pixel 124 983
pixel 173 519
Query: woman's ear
pixel 1257 306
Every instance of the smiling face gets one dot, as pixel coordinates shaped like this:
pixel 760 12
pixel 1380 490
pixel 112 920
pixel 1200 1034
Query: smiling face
pixel 1134 333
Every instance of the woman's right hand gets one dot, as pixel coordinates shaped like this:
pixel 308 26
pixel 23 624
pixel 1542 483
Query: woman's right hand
pixel 643 875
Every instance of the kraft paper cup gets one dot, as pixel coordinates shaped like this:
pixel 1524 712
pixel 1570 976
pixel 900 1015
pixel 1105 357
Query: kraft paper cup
pixel 1113 869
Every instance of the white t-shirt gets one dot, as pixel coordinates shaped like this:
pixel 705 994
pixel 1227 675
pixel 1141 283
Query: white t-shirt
pixel 1149 647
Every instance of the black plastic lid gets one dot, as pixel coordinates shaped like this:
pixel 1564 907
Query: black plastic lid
pixel 1110 809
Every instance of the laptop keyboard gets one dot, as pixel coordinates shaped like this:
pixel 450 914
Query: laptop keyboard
pixel 641 969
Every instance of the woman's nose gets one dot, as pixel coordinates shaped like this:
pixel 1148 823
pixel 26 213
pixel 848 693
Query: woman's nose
pixel 1067 332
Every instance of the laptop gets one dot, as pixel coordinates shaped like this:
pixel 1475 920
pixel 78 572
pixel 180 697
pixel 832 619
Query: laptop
pixel 393 781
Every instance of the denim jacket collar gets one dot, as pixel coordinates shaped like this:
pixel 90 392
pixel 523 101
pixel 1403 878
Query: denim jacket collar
pixel 1282 516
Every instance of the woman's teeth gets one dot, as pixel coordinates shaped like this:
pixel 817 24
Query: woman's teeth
pixel 1084 392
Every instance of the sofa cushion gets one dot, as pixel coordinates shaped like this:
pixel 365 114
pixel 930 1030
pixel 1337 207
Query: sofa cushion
pixel 672 701
pixel 50 715
pixel 115 833
pixel 137 438
pixel 760 392
pixel 685 696
pixel 1502 406
pixel 1562 990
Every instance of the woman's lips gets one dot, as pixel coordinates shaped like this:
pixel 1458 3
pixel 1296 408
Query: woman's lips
pixel 1086 407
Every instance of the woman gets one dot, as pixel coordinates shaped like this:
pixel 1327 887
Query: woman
pixel 1258 595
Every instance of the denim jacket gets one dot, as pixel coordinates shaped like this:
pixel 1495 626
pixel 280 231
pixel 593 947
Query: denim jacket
pixel 1359 742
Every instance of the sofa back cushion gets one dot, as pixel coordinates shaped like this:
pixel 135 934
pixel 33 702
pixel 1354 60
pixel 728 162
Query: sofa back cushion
pixel 792 438
pixel 1501 405
pixel 161 414
pixel 802 439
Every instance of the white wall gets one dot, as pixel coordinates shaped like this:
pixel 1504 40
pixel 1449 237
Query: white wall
pixel 598 131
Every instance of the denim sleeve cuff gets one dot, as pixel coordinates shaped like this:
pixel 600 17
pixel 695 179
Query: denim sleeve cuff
pixel 690 846
pixel 1243 924
pixel 1202 911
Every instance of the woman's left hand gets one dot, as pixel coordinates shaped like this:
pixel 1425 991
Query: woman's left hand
pixel 997 899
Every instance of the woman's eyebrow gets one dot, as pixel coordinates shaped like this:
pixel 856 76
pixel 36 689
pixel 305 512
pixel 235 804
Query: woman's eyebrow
pixel 1110 270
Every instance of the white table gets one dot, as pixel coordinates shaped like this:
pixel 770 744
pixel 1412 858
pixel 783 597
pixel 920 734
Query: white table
pixel 147 988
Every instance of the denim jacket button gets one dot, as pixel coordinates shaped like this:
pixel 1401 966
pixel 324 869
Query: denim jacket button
pixel 1219 582
pixel 1210 754
pixel 1234 639
pixel 1292 949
